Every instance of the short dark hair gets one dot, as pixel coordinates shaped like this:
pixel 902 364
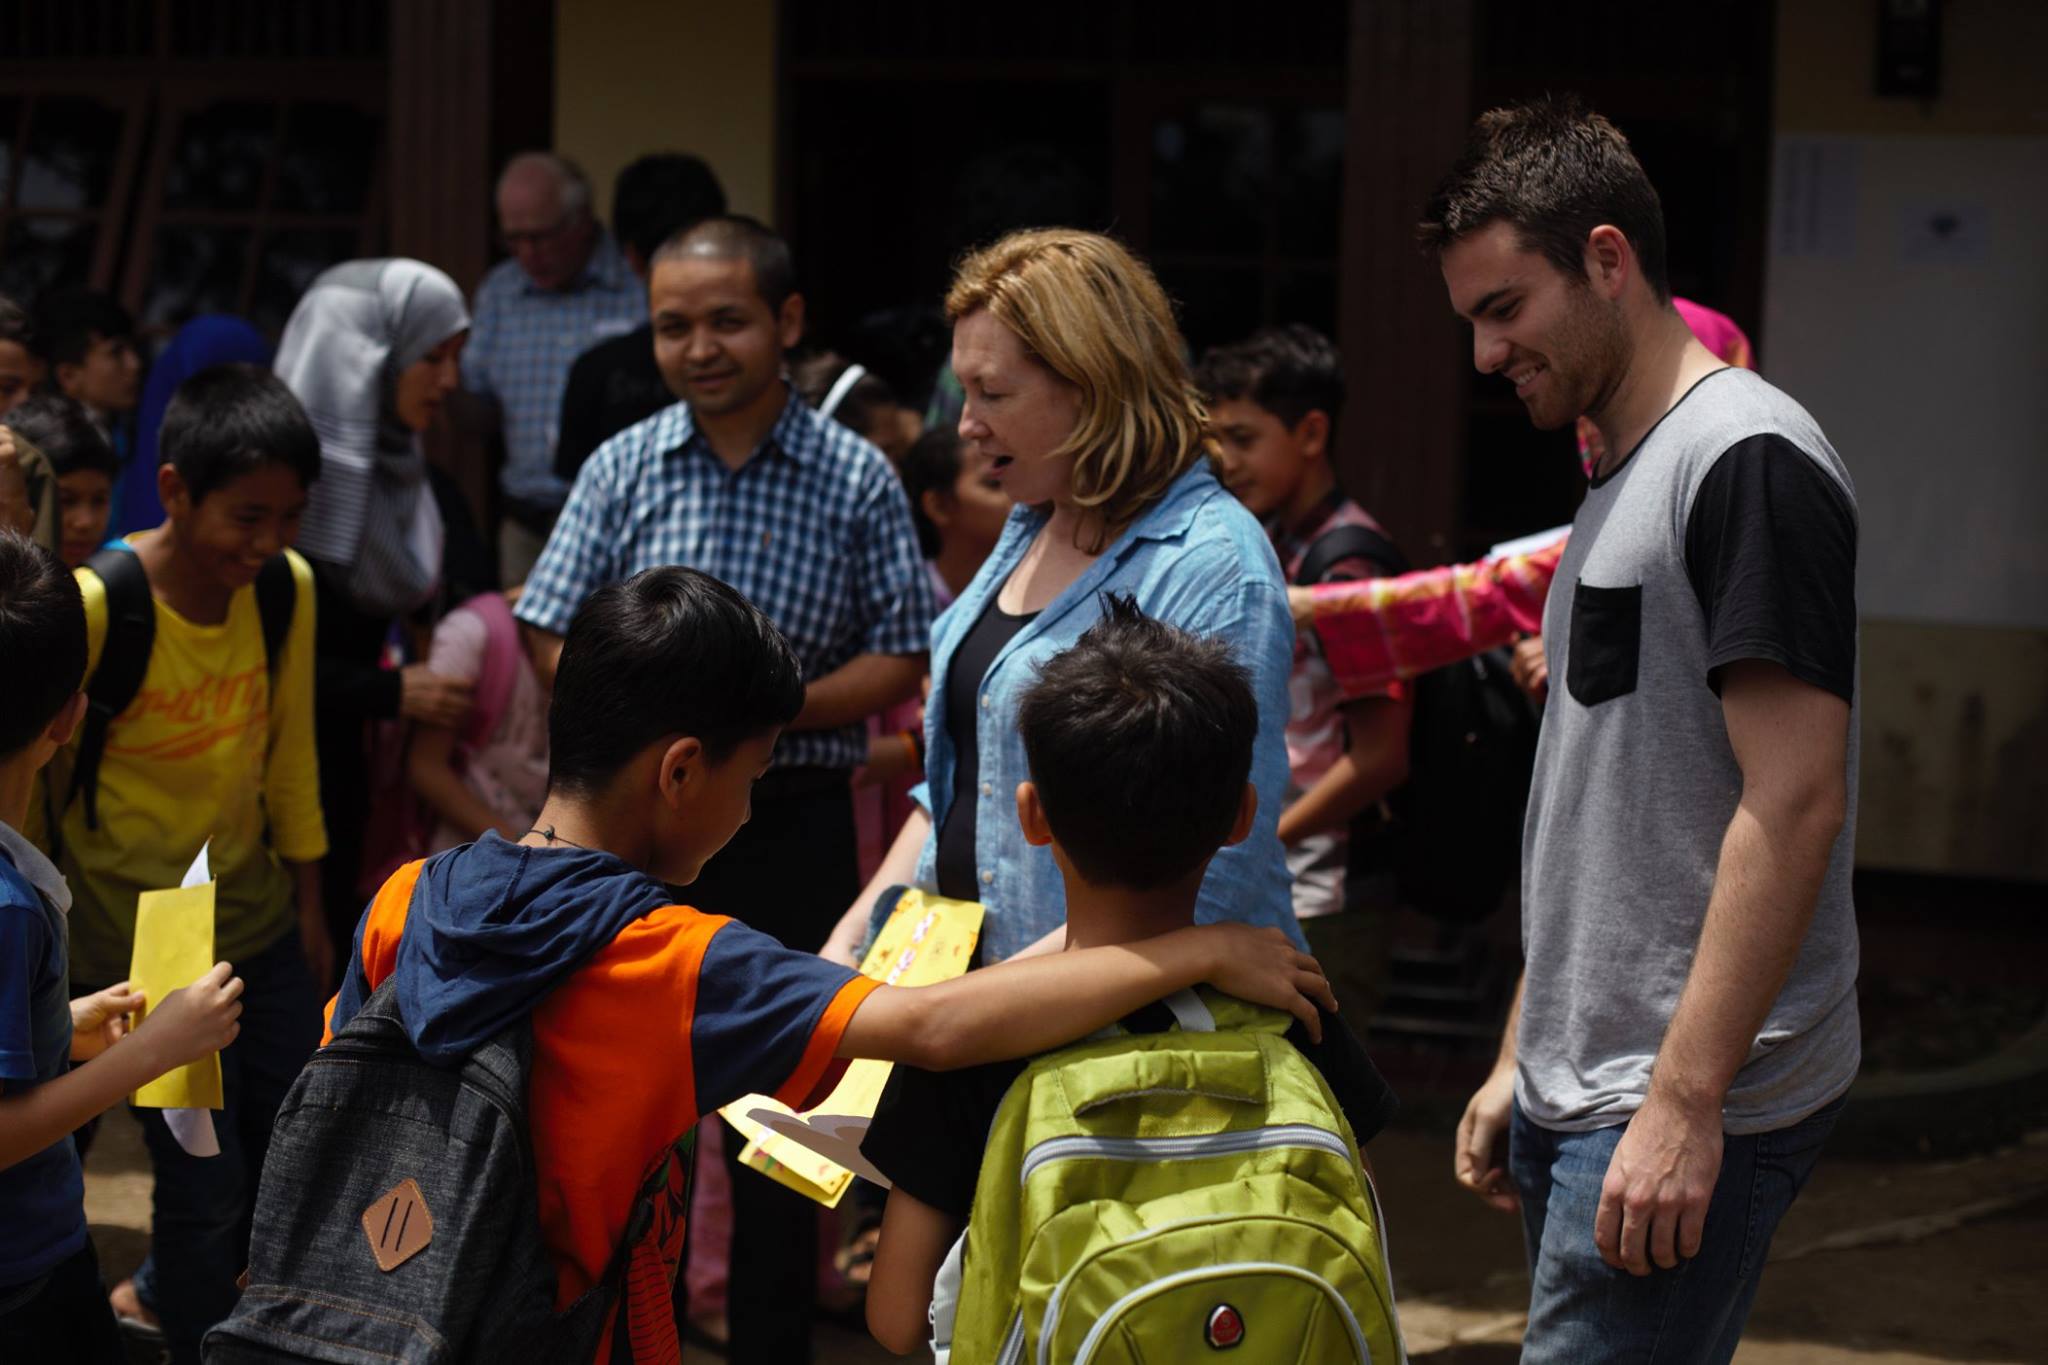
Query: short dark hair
pixel 1554 171
pixel 69 316
pixel 1290 371
pixel 42 631
pixel 16 325
pixel 230 420
pixel 931 463
pixel 59 427
pixel 670 651
pixel 661 194
pixel 736 237
pixel 1139 740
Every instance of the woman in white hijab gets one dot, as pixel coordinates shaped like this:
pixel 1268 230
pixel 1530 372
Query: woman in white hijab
pixel 371 352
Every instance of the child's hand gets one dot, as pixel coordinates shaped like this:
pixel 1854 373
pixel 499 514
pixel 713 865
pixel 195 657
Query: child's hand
pixel 432 698
pixel 1262 965
pixel 1530 668
pixel 194 1022
pixel 99 1020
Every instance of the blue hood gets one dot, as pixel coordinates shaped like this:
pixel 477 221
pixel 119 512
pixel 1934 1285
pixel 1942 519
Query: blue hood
pixel 492 928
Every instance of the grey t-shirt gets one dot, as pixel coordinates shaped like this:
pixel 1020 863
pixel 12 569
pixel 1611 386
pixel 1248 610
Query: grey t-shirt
pixel 1729 534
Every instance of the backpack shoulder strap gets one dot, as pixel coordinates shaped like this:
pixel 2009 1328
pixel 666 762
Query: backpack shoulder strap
pixel 1340 543
pixel 124 661
pixel 277 596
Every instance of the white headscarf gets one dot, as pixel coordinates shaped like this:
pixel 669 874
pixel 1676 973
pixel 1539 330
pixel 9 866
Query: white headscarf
pixel 372 514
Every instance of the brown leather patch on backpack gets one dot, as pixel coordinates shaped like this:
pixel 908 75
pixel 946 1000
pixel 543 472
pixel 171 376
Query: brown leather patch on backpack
pixel 398 1225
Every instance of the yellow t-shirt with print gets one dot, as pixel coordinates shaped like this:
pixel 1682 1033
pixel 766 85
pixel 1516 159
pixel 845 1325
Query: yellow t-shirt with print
pixel 203 752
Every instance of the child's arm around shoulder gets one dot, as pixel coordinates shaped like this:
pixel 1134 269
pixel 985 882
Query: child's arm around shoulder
pixel 1018 1008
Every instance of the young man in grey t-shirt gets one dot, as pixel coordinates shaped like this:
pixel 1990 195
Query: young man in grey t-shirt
pixel 1686 1023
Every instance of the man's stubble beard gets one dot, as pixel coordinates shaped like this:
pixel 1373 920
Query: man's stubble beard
pixel 1590 357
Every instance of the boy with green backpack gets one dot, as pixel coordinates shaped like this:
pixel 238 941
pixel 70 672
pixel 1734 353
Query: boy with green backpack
pixel 1191 1180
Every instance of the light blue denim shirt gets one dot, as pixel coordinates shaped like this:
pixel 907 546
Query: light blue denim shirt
pixel 1196 559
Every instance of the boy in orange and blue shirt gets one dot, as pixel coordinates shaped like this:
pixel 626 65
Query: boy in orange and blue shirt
pixel 648 1015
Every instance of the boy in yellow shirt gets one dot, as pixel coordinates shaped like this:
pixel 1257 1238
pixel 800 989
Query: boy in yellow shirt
pixel 215 746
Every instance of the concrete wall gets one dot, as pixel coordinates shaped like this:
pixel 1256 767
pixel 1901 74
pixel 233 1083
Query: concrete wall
pixel 1955 662
pixel 635 76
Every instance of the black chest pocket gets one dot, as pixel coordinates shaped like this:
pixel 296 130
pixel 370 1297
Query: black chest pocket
pixel 1606 644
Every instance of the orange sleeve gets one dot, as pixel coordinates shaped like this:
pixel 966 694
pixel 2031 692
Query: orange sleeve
pixel 820 1068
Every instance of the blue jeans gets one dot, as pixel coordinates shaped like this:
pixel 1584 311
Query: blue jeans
pixel 1581 1309
pixel 199 1245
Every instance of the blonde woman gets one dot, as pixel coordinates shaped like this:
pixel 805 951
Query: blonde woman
pixel 1078 395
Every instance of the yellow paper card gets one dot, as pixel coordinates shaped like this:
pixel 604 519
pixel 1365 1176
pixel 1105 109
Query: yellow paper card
pixel 174 948
pixel 926 939
pixel 783 1160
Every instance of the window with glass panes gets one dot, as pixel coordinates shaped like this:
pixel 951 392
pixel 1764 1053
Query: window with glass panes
pixel 190 156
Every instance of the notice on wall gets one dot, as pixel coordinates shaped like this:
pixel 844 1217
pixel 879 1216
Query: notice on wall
pixel 1912 332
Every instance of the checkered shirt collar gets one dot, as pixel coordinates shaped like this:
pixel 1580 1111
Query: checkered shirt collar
pixel 798 435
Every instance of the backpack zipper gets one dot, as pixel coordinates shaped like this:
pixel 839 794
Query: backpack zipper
pixel 355 1052
pixel 1277 1137
pixel 1109 1317
pixel 1013 1344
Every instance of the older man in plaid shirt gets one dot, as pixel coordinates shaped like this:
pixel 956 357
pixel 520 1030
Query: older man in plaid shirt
pixel 565 288
pixel 745 482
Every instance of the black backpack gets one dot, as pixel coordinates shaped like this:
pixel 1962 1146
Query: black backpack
pixel 397 1219
pixel 1454 844
pixel 124 657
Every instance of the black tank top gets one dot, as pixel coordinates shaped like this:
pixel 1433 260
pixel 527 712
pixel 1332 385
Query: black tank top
pixel 955 861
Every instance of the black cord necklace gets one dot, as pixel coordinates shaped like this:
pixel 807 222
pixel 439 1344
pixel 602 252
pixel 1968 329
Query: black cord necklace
pixel 547 832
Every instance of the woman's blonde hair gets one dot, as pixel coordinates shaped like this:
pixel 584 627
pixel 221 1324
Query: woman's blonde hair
pixel 1093 314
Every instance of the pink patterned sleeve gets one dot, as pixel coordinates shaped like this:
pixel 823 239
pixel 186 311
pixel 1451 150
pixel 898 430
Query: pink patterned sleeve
pixel 1378 631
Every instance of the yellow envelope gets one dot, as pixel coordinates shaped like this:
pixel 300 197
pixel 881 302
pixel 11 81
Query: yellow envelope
pixel 783 1159
pixel 174 948
pixel 926 939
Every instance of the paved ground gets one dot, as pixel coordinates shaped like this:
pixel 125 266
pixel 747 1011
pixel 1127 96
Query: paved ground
pixel 1897 1263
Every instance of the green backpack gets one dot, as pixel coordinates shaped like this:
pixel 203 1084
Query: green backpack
pixel 1159 1197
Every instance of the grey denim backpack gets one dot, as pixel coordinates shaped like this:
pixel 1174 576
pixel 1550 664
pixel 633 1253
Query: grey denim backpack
pixel 397 1219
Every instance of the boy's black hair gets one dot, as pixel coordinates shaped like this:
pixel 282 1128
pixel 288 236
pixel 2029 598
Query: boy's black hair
pixel 1290 371
pixel 1554 171
pixel 736 237
pixel 813 376
pixel 69 316
pixel 42 635
pixel 1139 739
pixel 661 194
pixel 16 325
pixel 230 420
pixel 59 427
pixel 931 463
pixel 670 651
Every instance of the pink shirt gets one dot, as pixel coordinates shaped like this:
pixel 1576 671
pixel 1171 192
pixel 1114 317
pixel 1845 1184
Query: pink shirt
pixel 1385 629
pixel 509 773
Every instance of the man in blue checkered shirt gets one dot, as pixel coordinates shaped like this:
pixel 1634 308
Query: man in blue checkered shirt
pixel 745 482
pixel 565 288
